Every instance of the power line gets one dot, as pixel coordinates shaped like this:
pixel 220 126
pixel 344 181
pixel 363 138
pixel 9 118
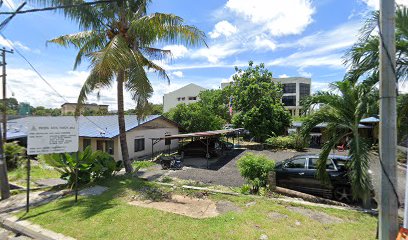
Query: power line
pixel 56 7
pixel 43 79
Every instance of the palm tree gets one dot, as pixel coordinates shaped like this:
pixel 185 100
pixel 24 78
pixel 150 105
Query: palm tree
pixel 342 109
pixel 363 57
pixel 118 38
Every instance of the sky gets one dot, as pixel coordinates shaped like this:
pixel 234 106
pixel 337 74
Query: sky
pixel 292 38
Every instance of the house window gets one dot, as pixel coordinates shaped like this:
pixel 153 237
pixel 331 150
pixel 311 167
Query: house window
pixel 178 99
pixel 289 88
pixel 139 144
pixel 192 98
pixel 99 145
pixel 183 98
pixel 289 100
pixel 86 143
pixel 110 147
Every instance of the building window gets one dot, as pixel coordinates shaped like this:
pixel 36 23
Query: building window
pixel 110 147
pixel 304 90
pixel 139 144
pixel 178 99
pixel 183 99
pixel 289 88
pixel 192 98
pixel 87 142
pixel 289 100
pixel 99 145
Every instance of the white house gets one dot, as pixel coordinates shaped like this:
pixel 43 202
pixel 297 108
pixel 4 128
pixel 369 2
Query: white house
pixel 187 94
pixel 102 133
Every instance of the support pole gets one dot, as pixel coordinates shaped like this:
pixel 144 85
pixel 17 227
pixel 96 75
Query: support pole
pixel 388 211
pixel 28 184
pixel 207 155
pixel 152 150
pixel 76 177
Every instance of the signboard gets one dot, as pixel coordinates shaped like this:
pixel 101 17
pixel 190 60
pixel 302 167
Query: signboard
pixel 52 135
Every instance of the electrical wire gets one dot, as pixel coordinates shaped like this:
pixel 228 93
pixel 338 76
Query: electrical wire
pixel 57 7
pixel 45 81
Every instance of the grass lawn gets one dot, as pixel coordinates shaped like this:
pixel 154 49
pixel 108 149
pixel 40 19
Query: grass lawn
pixel 109 216
pixel 142 164
pixel 19 175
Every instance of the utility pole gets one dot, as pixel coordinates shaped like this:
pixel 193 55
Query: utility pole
pixel 4 185
pixel 388 133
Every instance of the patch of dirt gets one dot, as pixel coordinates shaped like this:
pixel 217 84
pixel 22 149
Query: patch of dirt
pixel 275 215
pixel 226 206
pixel 317 216
pixel 187 206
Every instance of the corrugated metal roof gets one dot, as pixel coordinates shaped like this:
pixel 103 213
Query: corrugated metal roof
pixel 370 120
pixel 90 126
pixel 324 125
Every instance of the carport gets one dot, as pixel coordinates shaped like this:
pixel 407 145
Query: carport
pixel 201 136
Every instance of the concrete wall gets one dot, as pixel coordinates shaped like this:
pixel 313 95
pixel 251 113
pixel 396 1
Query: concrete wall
pixel 182 95
pixel 154 129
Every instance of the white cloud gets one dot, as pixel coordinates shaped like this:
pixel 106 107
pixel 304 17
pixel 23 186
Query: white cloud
pixel 278 17
pixel 223 28
pixel 320 86
pixel 5 43
pixel 264 43
pixel 217 52
pixel 283 76
pixel 303 73
pixel 178 74
pixel 376 3
pixel 177 51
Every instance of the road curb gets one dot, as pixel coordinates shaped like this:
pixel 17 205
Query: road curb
pixel 29 229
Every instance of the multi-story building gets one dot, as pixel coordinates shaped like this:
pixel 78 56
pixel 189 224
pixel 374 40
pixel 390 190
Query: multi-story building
pixel 69 108
pixel 294 90
pixel 187 94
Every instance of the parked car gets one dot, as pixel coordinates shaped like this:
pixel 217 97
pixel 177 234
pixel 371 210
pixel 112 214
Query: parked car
pixel 299 173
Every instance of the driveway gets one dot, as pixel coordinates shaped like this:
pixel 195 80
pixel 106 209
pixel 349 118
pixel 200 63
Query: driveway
pixel 225 171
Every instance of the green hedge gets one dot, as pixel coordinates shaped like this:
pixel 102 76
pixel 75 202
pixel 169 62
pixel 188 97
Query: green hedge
pixel 294 141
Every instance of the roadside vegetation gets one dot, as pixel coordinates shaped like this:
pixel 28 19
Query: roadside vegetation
pixel 255 169
pixel 111 216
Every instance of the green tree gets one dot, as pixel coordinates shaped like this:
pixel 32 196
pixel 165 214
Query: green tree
pixel 343 112
pixel 363 57
pixel 402 120
pixel 216 100
pixel 118 40
pixel 257 101
pixel 195 118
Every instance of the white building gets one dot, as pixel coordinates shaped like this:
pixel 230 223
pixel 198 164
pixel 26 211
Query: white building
pixel 102 133
pixel 187 94
pixel 294 89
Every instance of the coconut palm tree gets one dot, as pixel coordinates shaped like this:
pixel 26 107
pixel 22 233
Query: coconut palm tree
pixel 342 108
pixel 118 40
pixel 363 57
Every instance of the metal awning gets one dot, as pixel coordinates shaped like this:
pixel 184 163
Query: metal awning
pixel 199 134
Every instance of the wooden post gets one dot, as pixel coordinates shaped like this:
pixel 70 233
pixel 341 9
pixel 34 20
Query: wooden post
pixel 272 180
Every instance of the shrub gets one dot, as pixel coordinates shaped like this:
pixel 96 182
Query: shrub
pixel 255 169
pixel 246 189
pixel 104 165
pixel 14 154
pixel 91 165
pixel 294 141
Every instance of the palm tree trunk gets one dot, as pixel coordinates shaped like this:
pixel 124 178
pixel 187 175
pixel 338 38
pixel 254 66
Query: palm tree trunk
pixel 122 127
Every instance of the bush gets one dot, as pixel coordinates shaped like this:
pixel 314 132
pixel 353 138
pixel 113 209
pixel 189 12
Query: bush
pixel 294 141
pixel 255 169
pixel 14 154
pixel 91 165
pixel 104 165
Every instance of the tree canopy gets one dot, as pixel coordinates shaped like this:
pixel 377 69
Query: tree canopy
pixel 257 102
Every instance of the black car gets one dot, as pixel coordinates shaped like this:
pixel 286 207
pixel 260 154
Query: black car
pixel 299 173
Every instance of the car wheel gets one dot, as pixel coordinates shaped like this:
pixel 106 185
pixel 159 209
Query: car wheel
pixel 342 194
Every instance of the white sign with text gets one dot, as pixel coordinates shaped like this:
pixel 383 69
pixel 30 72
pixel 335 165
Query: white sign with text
pixel 52 135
